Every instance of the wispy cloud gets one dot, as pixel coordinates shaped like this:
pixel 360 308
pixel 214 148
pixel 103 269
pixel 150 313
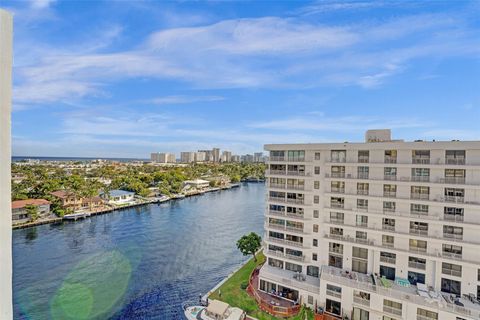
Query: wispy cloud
pixel 41 4
pixel 182 99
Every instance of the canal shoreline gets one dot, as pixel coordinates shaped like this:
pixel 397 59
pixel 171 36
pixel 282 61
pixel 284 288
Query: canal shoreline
pixel 130 206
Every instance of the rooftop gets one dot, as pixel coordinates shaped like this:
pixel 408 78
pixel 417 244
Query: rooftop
pixel 22 203
pixel 118 193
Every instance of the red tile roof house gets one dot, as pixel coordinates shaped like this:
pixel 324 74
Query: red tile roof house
pixel 19 210
pixel 76 203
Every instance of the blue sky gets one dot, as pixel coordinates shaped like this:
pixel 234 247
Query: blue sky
pixel 123 79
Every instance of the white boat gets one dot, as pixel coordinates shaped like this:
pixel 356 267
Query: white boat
pixel 216 310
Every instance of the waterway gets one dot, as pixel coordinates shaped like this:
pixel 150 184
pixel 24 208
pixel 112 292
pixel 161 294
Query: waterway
pixel 139 263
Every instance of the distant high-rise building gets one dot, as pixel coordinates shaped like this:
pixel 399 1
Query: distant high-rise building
pixel 200 156
pixel 226 156
pixel 258 157
pixel 235 158
pixel 247 158
pixel 208 154
pixel 161 157
pixel 187 157
pixel 216 154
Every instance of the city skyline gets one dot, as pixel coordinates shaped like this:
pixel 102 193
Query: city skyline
pixel 121 79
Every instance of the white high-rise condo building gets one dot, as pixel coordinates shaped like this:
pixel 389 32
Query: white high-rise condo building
pixel 161 157
pixel 381 230
pixel 187 157
pixel 6 31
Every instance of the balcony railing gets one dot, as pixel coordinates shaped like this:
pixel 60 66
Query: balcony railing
pixel 452 180
pixel 390 194
pixel 452 255
pixel 335 250
pixel 277 185
pixel 420 196
pixel 277 172
pixel 363 159
pixel 388 244
pixel 276 158
pixel 276 199
pixel 338 160
pixel 388 227
pixel 295 201
pixel 417 249
pixel 362 224
pixel 334 293
pixel 295 215
pixel 276 212
pixel 295 187
pixel 420 178
pixel 459 161
pixel 296 159
pixel 455 199
pixel 450 272
pixel 286 242
pixel 362 192
pixel 418 212
pixel 453 236
pixel 390 159
pixel 418 232
pixel 293 229
pixel 388 260
pixel 361 301
pixel 337 220
pixel 421 160
pixel 286 255
pixel 336 175
pixel 362 175
pixel 391 310
pixel 416 265
pixel 337 190
pixel 337 205
pixel 453 217
pixel 391 177
pixel 296 173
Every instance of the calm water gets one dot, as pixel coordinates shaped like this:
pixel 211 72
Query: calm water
pixel 141 263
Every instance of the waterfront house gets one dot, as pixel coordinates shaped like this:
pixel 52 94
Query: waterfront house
pixel 119 197
pixel 197 184
pixel 19 209
pixel 70 200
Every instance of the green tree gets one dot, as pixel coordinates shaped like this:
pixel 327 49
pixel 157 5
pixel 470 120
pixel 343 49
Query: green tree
pixel 249 244
pixel 32 212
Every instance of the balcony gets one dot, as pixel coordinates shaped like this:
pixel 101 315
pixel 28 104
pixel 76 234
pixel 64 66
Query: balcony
pixel 455 161
pixel 391 310
pixel 336 250
pixel 362 192
pixel 296 159
pixel 417 249
pixel 389 159
pixel 363 159
pixel 294 229
pixel 362 208
pixel 455 199
pixel 420 179
pixel 388 244
pixel 390 194
pixel 337 205
pixel 349 239
pixel 334 293
pixel 362 224
pixel 295 201
pixel 276 212
pixel 414 212
pixel 453 236
pixel 277 172
pixel 286 242
pixel 338 160
pixel 276 186
pixel 337 190
pixel 390 177
pixel 337 220
pixel 453 217
pixel 417 232
pixel 388 260
pixel 419 196
pixel 362 175
pixel 295 215
pixel 452 255
pixel 417 265
pixel 276 199
pixel 388 227
pixel 452 180
pixel 361 301
pixel 421 160
pixel 336 175
pixel 285 255
pixel 451 272
pixel 297 173
pixel 295 187
pixel 276 158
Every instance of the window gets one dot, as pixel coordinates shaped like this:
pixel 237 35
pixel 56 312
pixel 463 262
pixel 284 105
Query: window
pixel 450 250
pixel 361 236
pixel 275 263
pixel 420 192
pixel 416 277
pixel 362 188
pixel 362 204
pixel 363 156
pixel 423 314
pixel 359 259
pixel 317 170
pixel 451 286
pixel 452 232
pixel 315 213
pixel 388 257
pixel 388 224
pixel 390 173
pixel 388 241
pixel 418 228
pixel 310 299
pixel 387 272
pixel 420 174
pixel 337 172
pixel 336 217
pixel 334 291
pixel 336 202
pixel 420 209
pixel 389 190
pixel 336 231
pixel 293 267
pixel 451 269
pixel 315 228
pixel 338 186
pixel 315 242
pixel 338 155
pixel 296 155
pixel 390 156
pixel 392 307
pixel 335 247
pixel 454 194
pixel 333 307
pixel 418 245
pixel 421 156
pixel 316 184
pixel 361 221
pixel 335 261
pixel 316 199
pixel 417 263
pixel 314 257
pixel 389 206
pixel 317 155
pixel 362 172
pixel 360 314
pixel 313 271
pixel 455 156
pixel 453 214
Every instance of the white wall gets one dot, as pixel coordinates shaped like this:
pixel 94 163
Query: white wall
pixel 6 27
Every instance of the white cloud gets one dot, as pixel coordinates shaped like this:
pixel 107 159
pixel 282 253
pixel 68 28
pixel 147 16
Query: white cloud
pixel 41 4
pixel 182 99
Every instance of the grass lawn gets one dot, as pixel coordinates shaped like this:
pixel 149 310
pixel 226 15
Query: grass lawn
pixel 235 296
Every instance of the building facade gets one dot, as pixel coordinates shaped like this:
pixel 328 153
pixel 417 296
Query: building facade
pixel 226 156
pixel 161 157
pixel 20 212
pixel 382 230
pixel 187 157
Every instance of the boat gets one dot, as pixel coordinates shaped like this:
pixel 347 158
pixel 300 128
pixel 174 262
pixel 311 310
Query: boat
pixel 216 310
